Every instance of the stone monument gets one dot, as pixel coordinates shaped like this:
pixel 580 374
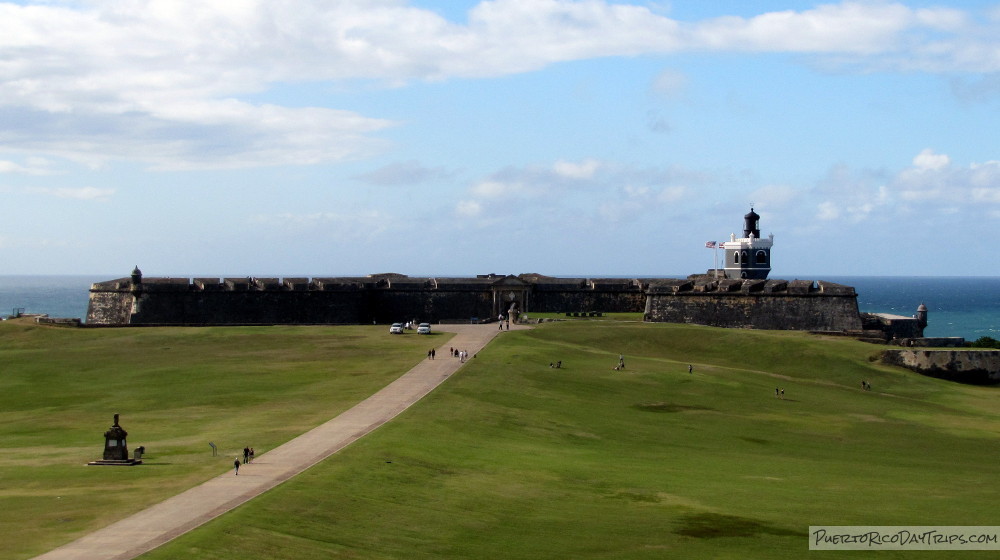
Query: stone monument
pixel 116 448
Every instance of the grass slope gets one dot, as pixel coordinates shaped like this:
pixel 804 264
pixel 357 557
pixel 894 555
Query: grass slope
pixel 513 459
pixel 177 389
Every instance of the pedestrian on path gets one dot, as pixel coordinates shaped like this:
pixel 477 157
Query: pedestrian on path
pixel 236 465
pixel 251 454
pixel 246 455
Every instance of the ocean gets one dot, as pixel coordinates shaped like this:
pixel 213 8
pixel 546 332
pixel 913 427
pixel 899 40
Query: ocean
pixel 957 306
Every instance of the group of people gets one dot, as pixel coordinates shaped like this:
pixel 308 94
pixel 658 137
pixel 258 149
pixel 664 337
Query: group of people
pixel 866 386
pixel 501 320
pixel 461 354
pixel 779 392
pixel 431 353
pixel 248 453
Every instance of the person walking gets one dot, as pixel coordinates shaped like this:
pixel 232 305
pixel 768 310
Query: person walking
pixel 236 465
pixel 246 455
pixel 251 454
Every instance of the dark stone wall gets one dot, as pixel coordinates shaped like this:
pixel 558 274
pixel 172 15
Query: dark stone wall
pixel 382 298
pixel 604 301
pixel 431 306
pixel 249 307
pixel 757 311
pixel 758 304
pixel 891 327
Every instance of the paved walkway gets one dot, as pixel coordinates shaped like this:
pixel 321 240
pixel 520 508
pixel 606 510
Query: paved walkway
pixel 162 522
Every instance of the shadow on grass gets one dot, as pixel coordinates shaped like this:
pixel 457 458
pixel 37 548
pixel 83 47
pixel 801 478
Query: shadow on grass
pixel 714 525
pixel 668 407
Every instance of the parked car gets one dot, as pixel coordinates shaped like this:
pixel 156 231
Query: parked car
pixel 424 328
pixel 396 328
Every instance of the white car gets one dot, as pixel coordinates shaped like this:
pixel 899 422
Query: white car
pixel 424 328
pixel 396 328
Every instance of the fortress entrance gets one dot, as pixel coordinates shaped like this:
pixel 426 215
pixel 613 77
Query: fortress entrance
pixel 510 297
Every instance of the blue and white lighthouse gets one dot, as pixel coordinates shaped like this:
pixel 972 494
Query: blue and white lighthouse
pixel 748 256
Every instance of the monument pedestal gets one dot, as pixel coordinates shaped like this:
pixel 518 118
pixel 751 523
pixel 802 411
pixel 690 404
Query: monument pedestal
pixel 116 449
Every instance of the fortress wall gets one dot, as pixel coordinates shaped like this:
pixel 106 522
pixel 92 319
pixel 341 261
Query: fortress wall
pixel 618 301
pixel 109 308
pixel 431 306
pixel 756 311
pixel 248 307
pixel 759 304
pixel 971 366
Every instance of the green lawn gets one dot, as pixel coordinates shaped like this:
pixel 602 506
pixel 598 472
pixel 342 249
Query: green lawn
pixel 510 458
pixel 177 389
pixel 513 459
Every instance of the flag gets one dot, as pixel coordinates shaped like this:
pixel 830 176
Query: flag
pixel 710 244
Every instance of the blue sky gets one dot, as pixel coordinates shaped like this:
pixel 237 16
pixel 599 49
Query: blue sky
pixel 292 138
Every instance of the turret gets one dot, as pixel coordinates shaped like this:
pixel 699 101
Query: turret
pixel 748 257
pixel 136 279
pixel 922 316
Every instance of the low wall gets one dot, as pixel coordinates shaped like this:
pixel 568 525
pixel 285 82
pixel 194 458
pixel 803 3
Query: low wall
pixel 965 366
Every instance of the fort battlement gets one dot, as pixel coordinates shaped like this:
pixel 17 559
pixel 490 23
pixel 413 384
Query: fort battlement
pixel 380 298
pixel 740 295
pixel 754 303
pixel 383 298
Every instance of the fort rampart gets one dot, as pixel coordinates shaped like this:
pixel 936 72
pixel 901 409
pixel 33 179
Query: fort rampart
pixel 385 298
pixel 755 304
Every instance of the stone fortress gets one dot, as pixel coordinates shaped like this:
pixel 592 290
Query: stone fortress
pixel 740 295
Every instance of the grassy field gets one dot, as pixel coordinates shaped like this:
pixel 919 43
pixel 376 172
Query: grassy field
pixel 177 389
pixel 514 459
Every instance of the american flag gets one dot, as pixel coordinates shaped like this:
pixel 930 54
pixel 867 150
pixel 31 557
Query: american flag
pixel 710 244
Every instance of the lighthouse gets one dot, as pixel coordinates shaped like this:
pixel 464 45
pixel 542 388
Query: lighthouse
pixel 749 256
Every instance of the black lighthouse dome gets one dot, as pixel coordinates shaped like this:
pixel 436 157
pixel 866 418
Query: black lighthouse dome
pixel 751 224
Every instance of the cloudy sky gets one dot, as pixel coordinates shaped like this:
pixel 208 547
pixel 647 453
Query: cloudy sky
pixel 454 138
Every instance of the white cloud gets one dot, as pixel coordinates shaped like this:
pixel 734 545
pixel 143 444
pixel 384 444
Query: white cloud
pixel 582 170
pixel 168 83
pixel 497 189
pixel 932 185
pixel 35 166
pixel 84 193
pixel 928 160
pixel 848 27
pixel 827 211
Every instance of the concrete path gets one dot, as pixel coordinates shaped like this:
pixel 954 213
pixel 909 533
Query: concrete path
pixel 162 522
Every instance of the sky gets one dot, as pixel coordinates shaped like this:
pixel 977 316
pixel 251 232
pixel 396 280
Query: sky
pixel 588 138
